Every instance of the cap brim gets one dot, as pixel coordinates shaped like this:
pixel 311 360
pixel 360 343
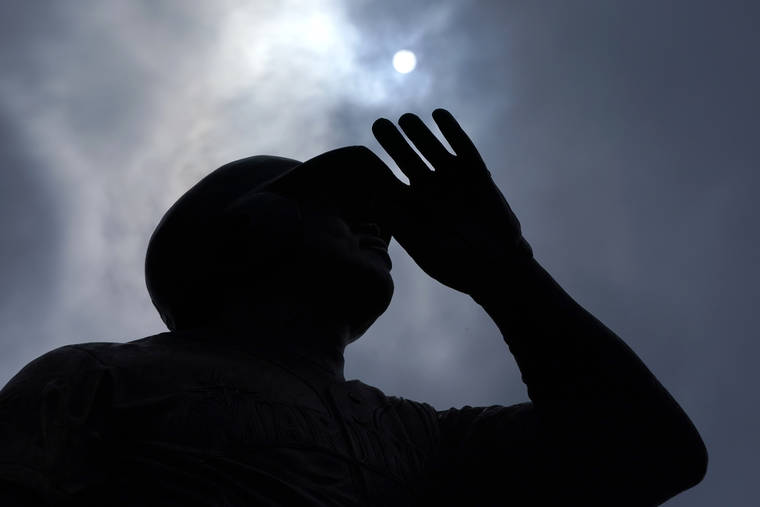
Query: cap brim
pixel 350 169
pixel 352 176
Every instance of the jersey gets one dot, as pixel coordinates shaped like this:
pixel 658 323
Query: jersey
pixel 170 421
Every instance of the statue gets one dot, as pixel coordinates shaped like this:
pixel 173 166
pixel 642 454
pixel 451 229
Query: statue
pixel 264 272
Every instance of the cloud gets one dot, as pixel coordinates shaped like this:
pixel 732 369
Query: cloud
pixel 29 249
pixel 622 134
pixel 125 105
pixel 128 104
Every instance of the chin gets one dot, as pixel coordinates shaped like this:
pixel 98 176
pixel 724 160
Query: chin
pixel 363 292
pixel 369 303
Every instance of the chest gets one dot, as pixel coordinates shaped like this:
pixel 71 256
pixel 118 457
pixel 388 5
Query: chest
pixel 343 431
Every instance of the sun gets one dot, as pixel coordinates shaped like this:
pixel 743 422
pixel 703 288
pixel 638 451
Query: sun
pixel 404 61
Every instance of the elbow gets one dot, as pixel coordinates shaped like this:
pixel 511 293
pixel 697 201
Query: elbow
pixel 693 463
pixel 671 450
pixel 655 466
pixel 680 463
pixel 657 478
pixel 688 454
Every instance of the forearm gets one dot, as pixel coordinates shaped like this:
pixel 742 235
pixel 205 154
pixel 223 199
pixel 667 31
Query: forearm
pixel 562 350
pixel 586 379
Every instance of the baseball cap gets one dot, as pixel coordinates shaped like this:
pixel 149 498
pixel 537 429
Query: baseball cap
pixel 181 248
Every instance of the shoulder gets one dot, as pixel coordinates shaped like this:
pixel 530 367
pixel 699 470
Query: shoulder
pixel 52 414
pixel 396 403
pixel 72 360
pixel 417 420
pixel 74 373
pixel 61 362
pixel 71 374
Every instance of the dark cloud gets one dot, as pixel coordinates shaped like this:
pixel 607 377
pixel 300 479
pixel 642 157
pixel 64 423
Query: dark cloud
pixel 29 251
pixel 622 133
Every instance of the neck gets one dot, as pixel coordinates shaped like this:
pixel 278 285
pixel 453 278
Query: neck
pixel 297 335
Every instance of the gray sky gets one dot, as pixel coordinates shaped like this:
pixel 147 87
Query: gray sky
pixel 623 134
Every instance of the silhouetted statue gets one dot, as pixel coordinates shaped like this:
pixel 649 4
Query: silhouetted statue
pixel 264 271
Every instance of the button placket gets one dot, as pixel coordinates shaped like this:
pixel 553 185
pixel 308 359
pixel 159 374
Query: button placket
pixel 336 394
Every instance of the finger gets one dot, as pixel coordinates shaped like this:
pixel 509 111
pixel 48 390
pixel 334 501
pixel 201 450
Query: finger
pixel 425 141
pixel 405 157
pixel 454 134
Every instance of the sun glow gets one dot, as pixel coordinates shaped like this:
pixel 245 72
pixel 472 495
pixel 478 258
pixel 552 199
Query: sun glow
pixel 404 61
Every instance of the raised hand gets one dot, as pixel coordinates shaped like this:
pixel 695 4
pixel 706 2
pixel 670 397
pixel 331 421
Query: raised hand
pixel 453 221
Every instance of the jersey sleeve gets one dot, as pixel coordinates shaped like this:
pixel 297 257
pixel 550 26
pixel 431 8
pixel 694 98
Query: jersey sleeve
pixel 502 455
pixel 53 424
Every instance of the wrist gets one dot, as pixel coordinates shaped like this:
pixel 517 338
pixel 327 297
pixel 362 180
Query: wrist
pixel 511 276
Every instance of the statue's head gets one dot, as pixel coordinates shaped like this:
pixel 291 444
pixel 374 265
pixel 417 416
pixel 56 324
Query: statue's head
pixel 268 228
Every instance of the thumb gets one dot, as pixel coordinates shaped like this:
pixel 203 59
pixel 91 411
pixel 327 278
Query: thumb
pixel 394 209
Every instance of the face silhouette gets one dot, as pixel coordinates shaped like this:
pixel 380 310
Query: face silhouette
pixel 337 261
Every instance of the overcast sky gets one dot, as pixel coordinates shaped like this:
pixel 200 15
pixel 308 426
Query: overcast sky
pixel 623 134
